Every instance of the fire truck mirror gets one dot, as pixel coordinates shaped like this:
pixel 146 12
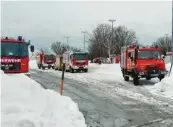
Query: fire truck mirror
pixel 129 55
pixel 32 48
pixel 136 53
pixel 164 53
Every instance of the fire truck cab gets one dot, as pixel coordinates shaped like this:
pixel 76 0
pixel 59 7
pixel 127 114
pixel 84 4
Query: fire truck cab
pixel 45 61
pixel 15 55
pixel 143 62
pixel 76 61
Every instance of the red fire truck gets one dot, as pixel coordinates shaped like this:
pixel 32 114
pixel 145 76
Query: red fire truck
pixel 143 62
pixel 14 55
pixel 76 61
pixel 45 61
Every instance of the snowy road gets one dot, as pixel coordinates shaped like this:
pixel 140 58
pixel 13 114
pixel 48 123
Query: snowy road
pixel 104 108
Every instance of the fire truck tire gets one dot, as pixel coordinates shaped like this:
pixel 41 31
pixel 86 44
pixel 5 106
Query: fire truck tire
pixel 148 78
pixel 49 67
pixel 39 66
pixel 126 78
pixel 135 80
pixel 71 70
pixel 161 77
pixel 86 70
pixel 43 67
pixel 53 67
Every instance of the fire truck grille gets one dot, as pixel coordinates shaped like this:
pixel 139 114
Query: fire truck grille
pixel 152 69
pixel 80 63
pixel 10 66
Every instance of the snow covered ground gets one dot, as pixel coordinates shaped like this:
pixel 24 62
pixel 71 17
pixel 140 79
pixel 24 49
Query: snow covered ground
pixel 105 74
pixel 26 104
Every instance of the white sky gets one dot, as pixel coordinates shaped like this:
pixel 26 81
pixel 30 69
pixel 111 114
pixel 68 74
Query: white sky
pixel 45 22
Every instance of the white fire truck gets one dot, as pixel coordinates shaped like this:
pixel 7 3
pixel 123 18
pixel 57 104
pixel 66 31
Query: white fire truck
pixel 76 61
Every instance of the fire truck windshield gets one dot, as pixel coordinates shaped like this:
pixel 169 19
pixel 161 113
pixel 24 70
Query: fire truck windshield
pixel 14 49
pixel 49 57
pixel 149 55
pixel 80 56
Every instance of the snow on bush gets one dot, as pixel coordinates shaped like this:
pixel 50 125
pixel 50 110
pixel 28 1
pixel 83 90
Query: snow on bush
pixel 26 104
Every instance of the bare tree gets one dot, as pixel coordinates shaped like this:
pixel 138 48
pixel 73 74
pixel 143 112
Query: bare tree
pixel 122 37
pixel 100 43
pixel 43 50
pixel 59 48
pixel 165 44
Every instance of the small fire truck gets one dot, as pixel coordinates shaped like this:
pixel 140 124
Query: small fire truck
pixel 45 61
pixel 14 55
pixel 76 61
pixel 59 63
pixel 142 62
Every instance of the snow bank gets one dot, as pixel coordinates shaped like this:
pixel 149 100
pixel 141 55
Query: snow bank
pixel 33 64
pixel 26 104
pixel 165 87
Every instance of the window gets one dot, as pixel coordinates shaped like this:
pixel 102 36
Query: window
pixel 80 56
pixel 148 55
pixel 14 49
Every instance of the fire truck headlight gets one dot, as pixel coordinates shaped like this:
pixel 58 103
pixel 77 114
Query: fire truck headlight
pixel 163 72
pixel 141 73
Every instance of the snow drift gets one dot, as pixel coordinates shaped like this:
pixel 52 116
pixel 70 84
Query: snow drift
pixel 165 87
pixel 26 104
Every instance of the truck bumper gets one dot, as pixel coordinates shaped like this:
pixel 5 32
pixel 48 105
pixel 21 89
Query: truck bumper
pixel 80 67
pixel 152 75
pixel 49 65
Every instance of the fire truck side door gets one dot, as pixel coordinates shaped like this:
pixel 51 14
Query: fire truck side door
pixel 129 61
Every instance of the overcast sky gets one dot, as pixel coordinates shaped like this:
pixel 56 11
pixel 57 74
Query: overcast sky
pixel 45 22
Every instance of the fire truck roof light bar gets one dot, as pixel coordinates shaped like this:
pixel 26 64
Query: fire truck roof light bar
pixel 20 38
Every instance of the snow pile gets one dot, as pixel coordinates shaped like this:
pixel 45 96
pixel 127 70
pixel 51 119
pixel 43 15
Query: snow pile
pixel 33 64
pixel 26 104
pixel 165 87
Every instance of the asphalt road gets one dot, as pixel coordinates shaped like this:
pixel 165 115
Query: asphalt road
pixel 102 110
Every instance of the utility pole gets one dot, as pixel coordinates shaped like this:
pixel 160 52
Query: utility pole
pixel 84 32
pixel 109 46
pixel 67 37
pixel 166 39
pixel 172 42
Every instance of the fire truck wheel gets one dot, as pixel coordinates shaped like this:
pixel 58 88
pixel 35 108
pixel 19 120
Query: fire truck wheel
pixel 126 78
pixel 53 67
pixel 43 67
pixel 135 80
pixel 161 77
pixel 48 67
pixel 71 70
pixel 86 70
pixel 148 78
pixel 39 66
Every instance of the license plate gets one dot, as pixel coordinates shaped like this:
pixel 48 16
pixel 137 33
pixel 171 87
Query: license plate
pixel 154 74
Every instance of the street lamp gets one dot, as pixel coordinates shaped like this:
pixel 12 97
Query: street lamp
pixel 67 37
pixel 84 32
pixel 172 41
pixel 109 46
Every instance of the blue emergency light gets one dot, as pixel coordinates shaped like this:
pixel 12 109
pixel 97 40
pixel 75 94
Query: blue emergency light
pixel 20 38
pixel 156 45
